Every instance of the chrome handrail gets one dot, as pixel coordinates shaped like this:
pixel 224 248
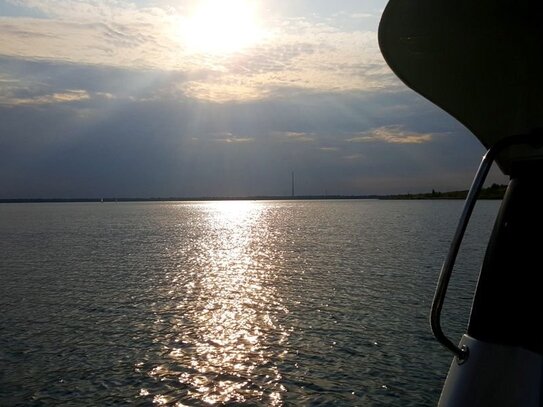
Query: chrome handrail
pixel 446 270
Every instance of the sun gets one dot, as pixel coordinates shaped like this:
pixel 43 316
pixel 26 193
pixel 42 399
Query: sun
pixel 222 26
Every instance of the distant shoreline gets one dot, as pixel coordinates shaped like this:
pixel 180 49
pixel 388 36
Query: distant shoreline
pixel 190 199
pixel 493 192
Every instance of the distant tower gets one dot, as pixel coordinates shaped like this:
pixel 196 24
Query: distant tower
pixel 292 183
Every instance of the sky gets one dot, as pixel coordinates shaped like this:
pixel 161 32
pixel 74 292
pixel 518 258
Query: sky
pixel 196 98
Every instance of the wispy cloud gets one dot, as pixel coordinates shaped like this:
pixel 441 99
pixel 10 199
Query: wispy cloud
pixel 329 149
pixel 235 140
pixel 132 44
pixel 227 137
pixel 67 96
pixel 295 137
pixel 391 134
pixel 298 53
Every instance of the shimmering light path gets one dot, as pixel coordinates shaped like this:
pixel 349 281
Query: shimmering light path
pixel 229 307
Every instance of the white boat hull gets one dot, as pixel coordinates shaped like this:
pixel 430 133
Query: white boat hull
pixel 494 375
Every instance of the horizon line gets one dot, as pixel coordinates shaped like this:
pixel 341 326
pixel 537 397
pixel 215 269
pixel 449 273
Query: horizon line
pixel 190 199
pixel 458 194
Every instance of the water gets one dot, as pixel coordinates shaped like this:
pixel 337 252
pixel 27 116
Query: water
pixel 229 303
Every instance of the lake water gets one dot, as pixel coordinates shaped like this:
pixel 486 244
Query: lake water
pixel 230 303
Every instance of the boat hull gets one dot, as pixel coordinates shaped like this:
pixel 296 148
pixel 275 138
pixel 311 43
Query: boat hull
pixel 493 375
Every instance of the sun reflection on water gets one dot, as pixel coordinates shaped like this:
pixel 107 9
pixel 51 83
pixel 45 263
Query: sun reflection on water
pixel 225 336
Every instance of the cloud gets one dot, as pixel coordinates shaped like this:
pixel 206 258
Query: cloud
pixel 393 135
pixel 301 57
pixel 104 98
pixel 297 53
pixel 235 140
pixel 67 96
pixel 294 136
pixel 132 44
pixel 35 82
pixel 24 91
pixel 145 147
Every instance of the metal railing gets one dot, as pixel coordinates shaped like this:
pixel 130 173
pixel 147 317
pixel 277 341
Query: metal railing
pixel 462 353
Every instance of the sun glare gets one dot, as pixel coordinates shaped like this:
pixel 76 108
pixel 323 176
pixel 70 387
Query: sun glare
pixel 222 27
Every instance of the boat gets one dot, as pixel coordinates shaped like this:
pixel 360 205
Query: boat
pixel 482 62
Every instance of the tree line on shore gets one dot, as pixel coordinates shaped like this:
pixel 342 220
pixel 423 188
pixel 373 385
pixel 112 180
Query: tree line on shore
pixel 495 191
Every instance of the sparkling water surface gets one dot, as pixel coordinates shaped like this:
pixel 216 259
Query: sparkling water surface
pixel 257 303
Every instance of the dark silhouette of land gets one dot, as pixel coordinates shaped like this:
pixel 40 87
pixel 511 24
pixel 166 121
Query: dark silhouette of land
pixel 493 192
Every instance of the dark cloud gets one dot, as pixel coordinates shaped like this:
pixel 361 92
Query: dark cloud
pixel 132 143
pixel 36 78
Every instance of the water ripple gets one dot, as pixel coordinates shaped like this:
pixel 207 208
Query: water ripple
pixel 228 303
